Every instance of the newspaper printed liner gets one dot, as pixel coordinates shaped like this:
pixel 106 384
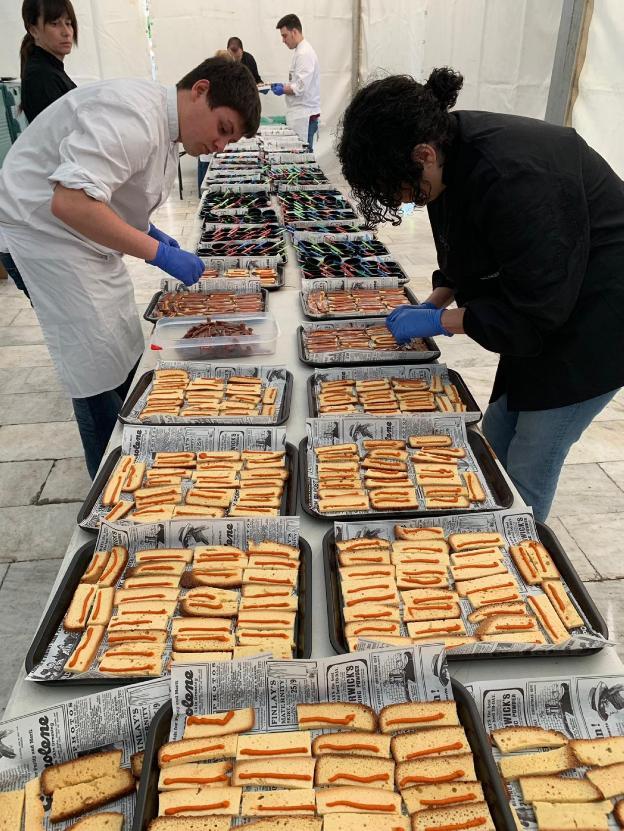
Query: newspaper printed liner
pixel 426 372
pixel 117 719
pixel 207 287
pixel 579 706
pixel 143 442
pixel 362 357
pixel 375 678
pixel 357 284
pixel 354 429
pixel 514 526
pixel 275 376
pixel 52 645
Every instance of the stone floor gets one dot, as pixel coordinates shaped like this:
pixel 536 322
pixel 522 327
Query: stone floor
pixel 43 479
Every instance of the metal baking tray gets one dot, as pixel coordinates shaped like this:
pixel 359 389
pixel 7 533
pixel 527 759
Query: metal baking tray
pixel 146 379
pixel 349 315
pixel 289 498
pixel 472 414
pixel 399 274
pixel 587 606
pixel 484 457
pixel 411 357
pixel 149 313
pixel 485 766
pixel 63 596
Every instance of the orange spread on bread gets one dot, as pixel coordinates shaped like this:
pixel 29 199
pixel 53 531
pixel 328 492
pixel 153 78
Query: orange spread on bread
pixel 85 603
pixel 302 777
pixel 268 620
pixel 557 598
pixel 428 751
pixel 133 654
pixel 139 668
pixel 143 611
pixel 329 719
pixel 536 550
pixel 492 588
pixel 365 615
pixel 477 565
pixel 448 800
pixel 528 563
pixel 272 606
pixel 167 757
pixel 365 806
pixel 433 606
pixel 376 586
pixel 250 751
pixel 272 580
pixel 199 780
pixel 371 628
pixel 378 597
pixel 220 720
pixel 448 777
pixel 505 599
pixel 286 808
pixel 471 542
pixel 457 826
pixel 352 777
pixel 74 658
pixel 150 557
pixel 416 719
pixel 504 627
pixel 353 746
pixel 110 566
pixel 209 807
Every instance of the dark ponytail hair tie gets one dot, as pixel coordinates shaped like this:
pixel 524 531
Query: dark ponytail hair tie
pixel 444 84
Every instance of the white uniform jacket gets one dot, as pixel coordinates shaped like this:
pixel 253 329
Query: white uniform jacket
pixel 305 79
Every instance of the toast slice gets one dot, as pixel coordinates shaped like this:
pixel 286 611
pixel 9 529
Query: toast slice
pixel 557 789
pixel 200 802
pixel 357 800
pixel 84 769
pixel 363 772
pixel 203 775
pixel 476 539
pixel 282 745
pixel 573 816
pixel 444 769
pixel 73 800
pixel 196 750
pixel 426 797
pixel 609 780
pixel 562 604
pixel 286 824
pixel 189 824
pixel 299 802
pixel 598 752
pixel 336 715
pixel 534 764
pixel 364 822
pixel 275 772
pixel 33 806
pixel 513 739
pixel 220 724
pixel 104 821
pixel 416 715
pixel 457 817
pixel 443 741
pixel 11 810
pixel 352 744
pixel 504 624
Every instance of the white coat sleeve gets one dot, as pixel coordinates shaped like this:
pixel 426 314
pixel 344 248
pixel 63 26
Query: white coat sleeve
pixel 303 71
pixel 108 146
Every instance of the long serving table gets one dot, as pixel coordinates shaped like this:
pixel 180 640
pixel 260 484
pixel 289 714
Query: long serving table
pixel 284 304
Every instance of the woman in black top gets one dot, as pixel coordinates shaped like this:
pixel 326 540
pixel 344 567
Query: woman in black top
pixel 235 48
pixel 51 30
pixel 528 223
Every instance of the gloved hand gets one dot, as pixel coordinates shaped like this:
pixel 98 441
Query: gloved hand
pixel 277 89
pixel 426 305
pixel 156 233
pixel 409 322
pixel 180 264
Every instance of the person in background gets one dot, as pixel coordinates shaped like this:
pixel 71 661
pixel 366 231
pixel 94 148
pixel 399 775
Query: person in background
pixel 203 161
pixel 77 190
pixel 235 48
pixel 528 223
pixel 303 90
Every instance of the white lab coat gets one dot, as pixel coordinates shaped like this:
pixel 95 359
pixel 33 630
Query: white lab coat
pixel 117 141
pixel 305 79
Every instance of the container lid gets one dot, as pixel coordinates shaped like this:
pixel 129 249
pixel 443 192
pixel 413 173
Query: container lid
pixel 169 332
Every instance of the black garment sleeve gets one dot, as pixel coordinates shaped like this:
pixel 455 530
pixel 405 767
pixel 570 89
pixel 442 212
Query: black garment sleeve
pixel 537 226
pixel 252 66
pixel 39 90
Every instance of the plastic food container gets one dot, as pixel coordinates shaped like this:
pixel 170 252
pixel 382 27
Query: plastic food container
pixel 169 341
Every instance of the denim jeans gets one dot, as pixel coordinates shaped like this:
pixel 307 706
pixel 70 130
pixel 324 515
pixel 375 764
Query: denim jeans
pixel 11 270
pixel 202 167
pixel 532 445
pixel 313 126
pixel 96 417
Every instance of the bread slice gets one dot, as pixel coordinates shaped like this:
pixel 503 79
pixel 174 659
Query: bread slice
pixel 436 610
pixel 300 802
pixel 426 797
pixel 466 588
pixel 534 764
pixel 352 744
pixel 515 637
pixel 136 763
pixel 33 806
pixel 199 657
pixel 364 822
pixel 365 557
pixel 202 775
pixel 359 800
pixel 562 604
pixel 515 608
pixel 598 752
pixel 372 628
pixel 363 772
pixel 208 642
pixel 86 648
pixel 440 741
pixel 114 567
pixel 618 812
pixel 609 780
pixel 457 817
pixel 336 715
pixel 533 562
pixel 125 596
pixel 262 619
pixel 11 809
pixel 119 666
pixel 220 724
pixel 558 789
pixel 513 739
pixel 371 611
pixel 275 771
pixel 104 821
pixel 196 750
pixel 200 802
pixel 469 571
pixel 444 769
pixel 281 745
pixel 508 593
pixel 573 816
pixel 504 624
pixel 286 824
pixel 435 628
pixel 189 824
pixel 84 769
pixel 475 539
pixel 361 572
pixel 417 714
pixel 278 651
pixel 406 532
pixel 95 567
pixel 73 800
pixel 77 614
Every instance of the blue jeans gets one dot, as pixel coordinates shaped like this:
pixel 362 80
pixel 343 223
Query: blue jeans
pixel 11 270
pixel 96 417
pixel 202 167
pixel 532 445
pixel 313 126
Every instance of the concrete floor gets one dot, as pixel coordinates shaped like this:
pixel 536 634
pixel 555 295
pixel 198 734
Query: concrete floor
pixel 43 479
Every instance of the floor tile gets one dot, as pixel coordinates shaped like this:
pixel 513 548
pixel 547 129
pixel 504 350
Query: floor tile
pixel 12 381
pixel 8 316
pixel 55 440
pixel 27 317
pixel 18 357
pixel 21 482
pixel 36 532
pixel 601 442
pixel 30 408
pixel 578 559
pixel 586 489
pixel 599 536
pixel 68 482
pixel 615 470
pixel 17 335
pixel 608 596
pixel 41 379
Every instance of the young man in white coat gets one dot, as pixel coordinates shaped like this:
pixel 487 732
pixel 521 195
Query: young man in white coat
pixel 76 193
pixel 303 90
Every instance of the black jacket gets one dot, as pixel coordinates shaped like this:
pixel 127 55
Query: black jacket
pixel 249 61
pixel 43 81
pixel 530 234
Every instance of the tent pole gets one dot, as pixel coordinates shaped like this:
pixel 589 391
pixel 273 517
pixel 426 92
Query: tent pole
pixel 568 61
pixel 356 43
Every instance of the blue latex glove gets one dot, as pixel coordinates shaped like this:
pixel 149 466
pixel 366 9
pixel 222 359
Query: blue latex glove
pixel 180 264
pixel 277 89
pixel 409 322
pixel 156 233
pixel 426 305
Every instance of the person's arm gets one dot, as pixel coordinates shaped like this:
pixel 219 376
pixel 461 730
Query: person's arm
pixel 96 221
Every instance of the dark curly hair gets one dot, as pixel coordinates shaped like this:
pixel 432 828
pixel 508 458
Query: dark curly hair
pixel 380 128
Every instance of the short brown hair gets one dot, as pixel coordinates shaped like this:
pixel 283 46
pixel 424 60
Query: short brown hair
pixel 231 85
pixel 289 21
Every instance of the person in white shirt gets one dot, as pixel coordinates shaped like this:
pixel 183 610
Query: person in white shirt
pixel 303 90
pixel 76 193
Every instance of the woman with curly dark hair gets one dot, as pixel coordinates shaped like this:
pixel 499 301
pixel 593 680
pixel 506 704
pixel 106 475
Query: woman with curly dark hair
pixel 528 223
